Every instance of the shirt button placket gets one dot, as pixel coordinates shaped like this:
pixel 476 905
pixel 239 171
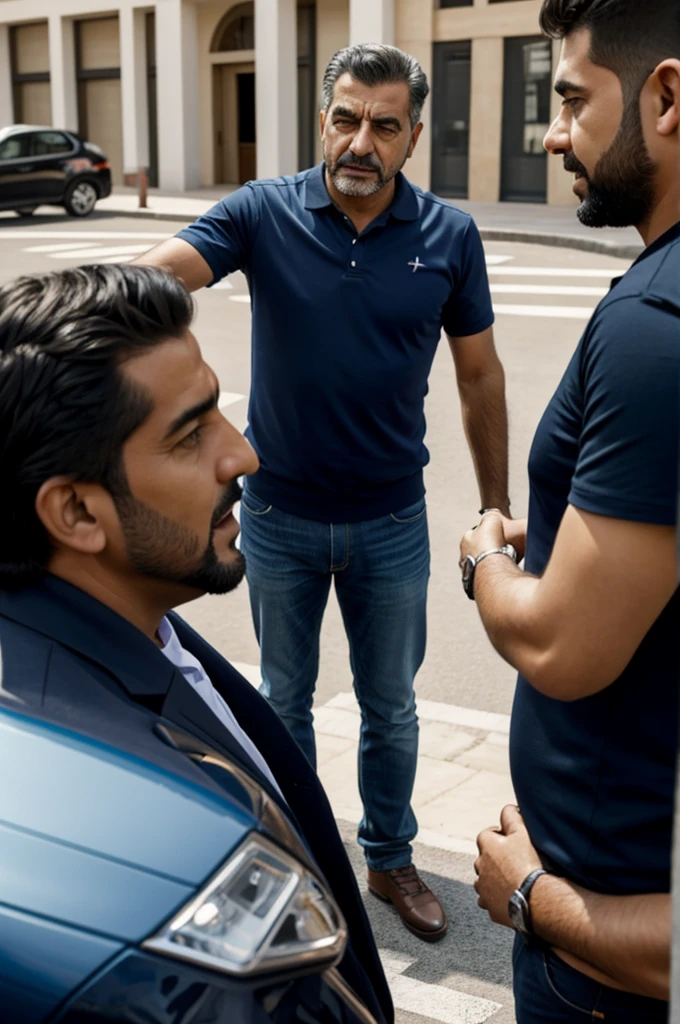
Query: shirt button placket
pixel 353 263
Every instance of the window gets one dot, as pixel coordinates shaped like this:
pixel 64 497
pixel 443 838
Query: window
pixel 236 31
pixel 456 3
pixel 14 148
pixel 47 143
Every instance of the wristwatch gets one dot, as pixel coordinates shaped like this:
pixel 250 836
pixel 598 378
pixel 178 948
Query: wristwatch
pixel 470 563
pixel 518 906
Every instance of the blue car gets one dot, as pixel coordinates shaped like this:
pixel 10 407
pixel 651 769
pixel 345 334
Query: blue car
pixel 134 892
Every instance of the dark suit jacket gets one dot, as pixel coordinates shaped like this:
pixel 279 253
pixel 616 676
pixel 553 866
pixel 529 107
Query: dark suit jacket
pixel 75 661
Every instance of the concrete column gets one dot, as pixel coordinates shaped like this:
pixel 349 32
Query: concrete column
pixel 276 87
pixel 371 21
pixel 6 99
pixel 414 33
pixel 332 34
pixel 486 120
pixel 63 72
pixel 560 183
pixel 133 87
pixel 179 155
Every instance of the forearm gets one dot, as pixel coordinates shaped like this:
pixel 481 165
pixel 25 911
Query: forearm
pixel 485 422
pixel 627 938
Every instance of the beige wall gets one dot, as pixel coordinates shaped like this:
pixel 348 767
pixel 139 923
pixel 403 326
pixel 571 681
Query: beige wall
pixel 332 34
pixel 413 33
pixel 483 20
pixel 486 119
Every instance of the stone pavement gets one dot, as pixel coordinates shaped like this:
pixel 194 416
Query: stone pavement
pixel 463 778
pixel 511 222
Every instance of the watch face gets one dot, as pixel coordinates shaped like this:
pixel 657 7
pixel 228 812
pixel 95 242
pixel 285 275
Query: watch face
pixel 518 912
pixel 468 575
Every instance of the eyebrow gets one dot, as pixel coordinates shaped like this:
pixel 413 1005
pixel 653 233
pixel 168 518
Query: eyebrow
pixel 352 115
pixel 563 86
pixel 193 414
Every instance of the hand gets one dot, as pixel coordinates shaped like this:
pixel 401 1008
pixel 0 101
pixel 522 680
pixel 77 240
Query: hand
pixel 515 531
pixel 488 534
pixel 506 857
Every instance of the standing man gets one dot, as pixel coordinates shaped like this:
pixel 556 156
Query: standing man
pixel 353 273
pixel 593 624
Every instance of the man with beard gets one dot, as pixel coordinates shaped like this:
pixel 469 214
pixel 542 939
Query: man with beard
pixel 353 272
pixel 120 481
pixel 582 869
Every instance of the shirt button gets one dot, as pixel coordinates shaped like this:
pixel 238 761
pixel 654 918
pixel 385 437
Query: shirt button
pixel 354 241
pixel 354 263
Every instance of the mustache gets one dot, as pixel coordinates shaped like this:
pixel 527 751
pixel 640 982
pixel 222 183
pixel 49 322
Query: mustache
pixel 359 161
pixel 230 497
pixel 575 166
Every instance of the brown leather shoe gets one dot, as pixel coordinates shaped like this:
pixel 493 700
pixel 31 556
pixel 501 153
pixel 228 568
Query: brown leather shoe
pixel 416 904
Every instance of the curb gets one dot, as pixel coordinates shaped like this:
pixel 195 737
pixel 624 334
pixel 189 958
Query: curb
pixel 621 250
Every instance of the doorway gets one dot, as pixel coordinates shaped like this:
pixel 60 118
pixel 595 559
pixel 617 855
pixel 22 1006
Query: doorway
pixel 451 119
pixel 526 118
pixel 234 97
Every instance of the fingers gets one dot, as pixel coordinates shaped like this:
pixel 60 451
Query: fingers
pixel 511 820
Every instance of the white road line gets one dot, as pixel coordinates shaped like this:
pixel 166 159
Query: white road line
pixel 493 260
pixel 554 312
pixel 436 711
pixel 21 235
pixel 239 298
pixel 224 283
pixel 434 1002
pixel 556 272
pixel 228 398
pixel 99 251
pixel 60 247
pixel 546 289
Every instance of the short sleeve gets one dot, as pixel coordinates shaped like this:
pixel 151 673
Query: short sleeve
pixel 629 450
pixel 468 310
pixel 223 236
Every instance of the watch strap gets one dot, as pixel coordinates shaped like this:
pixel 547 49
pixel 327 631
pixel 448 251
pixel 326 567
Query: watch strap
pixel 529 882
pixel 507 549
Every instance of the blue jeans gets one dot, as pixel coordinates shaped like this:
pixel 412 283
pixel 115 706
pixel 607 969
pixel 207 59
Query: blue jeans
pixel 381 570
pixel 548 991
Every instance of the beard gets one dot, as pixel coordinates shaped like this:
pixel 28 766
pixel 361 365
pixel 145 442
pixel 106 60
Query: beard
pixel 359 187
pixel 163 549
pixel 621 192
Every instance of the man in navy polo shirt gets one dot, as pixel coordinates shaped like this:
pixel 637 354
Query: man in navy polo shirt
pixel 593 624
pixel 353 273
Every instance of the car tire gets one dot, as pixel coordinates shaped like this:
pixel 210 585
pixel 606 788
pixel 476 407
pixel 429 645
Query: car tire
pixel 26 211
pixel 80 198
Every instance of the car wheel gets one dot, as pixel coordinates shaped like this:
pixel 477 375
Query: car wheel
pixel 80 198
pixel 26 211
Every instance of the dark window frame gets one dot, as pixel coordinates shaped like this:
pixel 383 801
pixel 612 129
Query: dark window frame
pixel 20 78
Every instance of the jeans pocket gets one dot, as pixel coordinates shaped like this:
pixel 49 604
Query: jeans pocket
pixel 573 989
pixel 412 513
pixel 256 506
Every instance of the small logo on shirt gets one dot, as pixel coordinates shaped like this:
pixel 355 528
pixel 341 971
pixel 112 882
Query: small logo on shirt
pixel 417 265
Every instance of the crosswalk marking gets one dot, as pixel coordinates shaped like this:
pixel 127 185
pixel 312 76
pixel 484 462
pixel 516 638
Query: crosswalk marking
pixel 554 312
pixel 239 298
pixel 228 398
pixel 21 235
pixel 493 260
pixel 556 272
pixel 60 247
pixel 547 289
pixel 99 252
pixel 434 1002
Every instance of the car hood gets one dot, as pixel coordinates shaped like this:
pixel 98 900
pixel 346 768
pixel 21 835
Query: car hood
pixel 101 839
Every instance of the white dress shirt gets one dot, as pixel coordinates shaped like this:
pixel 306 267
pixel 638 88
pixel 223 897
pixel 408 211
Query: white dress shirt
pixel 196 676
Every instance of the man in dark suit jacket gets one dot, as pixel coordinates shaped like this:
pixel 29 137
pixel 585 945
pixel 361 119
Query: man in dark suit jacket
pixel 120 477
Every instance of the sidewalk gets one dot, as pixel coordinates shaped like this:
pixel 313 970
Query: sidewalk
pixel 463 778
pixel 510 222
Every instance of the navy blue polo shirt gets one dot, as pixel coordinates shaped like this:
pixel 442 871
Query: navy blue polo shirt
pixel 345 329
pixel 595 778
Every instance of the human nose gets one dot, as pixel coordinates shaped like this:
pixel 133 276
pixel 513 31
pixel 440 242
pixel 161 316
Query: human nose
pixel 362 143
pixel 557 141
pixel 237 456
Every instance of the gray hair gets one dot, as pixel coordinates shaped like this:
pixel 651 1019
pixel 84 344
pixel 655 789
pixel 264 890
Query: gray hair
pixel 375 64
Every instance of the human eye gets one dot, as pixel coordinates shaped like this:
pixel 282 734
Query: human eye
pixel 192 440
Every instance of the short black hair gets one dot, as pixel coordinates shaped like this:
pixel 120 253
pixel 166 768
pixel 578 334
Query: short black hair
pixel 65 407
pixel 630 37
pixel 377 64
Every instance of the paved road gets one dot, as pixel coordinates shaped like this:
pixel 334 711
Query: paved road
pixel 543 298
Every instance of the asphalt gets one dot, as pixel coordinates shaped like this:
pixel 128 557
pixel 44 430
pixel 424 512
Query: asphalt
pixel 529 223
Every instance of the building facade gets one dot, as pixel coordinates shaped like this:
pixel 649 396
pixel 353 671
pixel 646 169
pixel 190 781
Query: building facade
pixel 203 92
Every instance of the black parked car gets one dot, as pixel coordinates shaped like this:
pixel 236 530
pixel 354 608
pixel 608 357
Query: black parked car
pixel 44 165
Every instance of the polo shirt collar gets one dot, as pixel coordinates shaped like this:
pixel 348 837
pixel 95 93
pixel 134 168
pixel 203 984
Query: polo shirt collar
pixel 404 206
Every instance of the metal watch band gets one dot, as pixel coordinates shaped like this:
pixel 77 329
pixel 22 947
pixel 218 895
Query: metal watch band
pixel 506 550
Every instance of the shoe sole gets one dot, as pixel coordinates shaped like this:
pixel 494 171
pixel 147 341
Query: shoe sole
pixel 426 936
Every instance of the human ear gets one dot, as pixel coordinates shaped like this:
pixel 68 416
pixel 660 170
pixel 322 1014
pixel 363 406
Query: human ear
pixel 414 139
pixel 667 91
pixel 71 512
pixel 322 121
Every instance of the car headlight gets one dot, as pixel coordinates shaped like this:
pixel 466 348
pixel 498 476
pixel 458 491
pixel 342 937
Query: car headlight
pixel 263 912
